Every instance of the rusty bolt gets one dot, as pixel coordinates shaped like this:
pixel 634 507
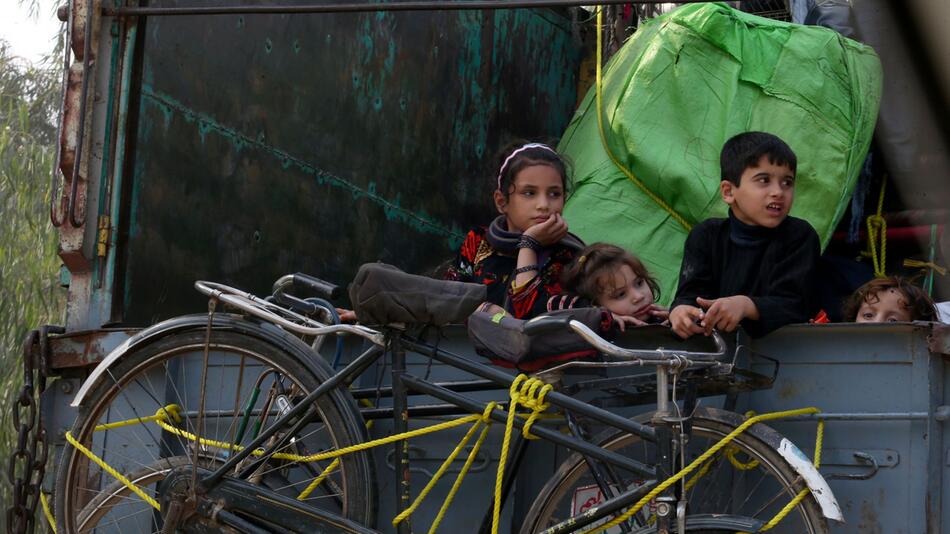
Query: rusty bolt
pixel 942 413
pixel 62 12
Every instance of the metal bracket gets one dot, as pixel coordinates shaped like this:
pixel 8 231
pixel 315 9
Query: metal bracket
pixel 863 458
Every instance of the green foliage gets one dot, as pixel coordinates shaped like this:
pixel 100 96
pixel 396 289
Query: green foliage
pixel 31 296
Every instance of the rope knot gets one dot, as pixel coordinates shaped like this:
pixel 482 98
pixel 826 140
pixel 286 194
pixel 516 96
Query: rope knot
pixel 172 411
pixel 877 222
pixel 531 394
pixel 877 236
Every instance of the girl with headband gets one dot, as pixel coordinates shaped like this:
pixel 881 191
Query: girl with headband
pixel 521 254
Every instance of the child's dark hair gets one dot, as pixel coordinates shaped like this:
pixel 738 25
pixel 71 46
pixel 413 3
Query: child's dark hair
pixel 746 149
pixel 920 305
pixel 585 276
pixel 518 155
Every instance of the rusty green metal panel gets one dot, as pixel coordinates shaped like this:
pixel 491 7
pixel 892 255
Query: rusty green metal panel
pixel 271 144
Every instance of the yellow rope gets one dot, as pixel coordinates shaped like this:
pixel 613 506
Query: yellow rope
pixel 603 136
pixel 161 414
pixel 47 512
pixel 877 234
pixel 444 467
pixel 458 480
pixel 701 460
pixel 732 450
pixel 699 474
pixel 319 479
pixel 528 392
pixel 172 411
pixel 531 395
pixel 730 454
pixel 942 271
pixel 329 454
pixel 115 474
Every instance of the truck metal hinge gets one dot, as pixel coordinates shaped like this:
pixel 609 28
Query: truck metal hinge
pixel 102 239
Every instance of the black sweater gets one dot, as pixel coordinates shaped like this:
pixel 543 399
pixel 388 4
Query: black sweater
pixel 775 267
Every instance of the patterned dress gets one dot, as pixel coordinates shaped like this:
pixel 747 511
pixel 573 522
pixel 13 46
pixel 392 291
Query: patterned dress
pixel 478 262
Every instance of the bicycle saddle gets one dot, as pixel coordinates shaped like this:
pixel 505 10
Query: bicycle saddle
pixel 382 294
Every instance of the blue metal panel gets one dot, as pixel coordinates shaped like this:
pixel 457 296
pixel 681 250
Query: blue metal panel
pixel 868 369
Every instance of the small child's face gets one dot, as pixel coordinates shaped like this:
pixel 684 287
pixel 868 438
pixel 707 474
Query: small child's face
pixel 625 293
pixel 764 195
pixel 538 194
pixel 888 306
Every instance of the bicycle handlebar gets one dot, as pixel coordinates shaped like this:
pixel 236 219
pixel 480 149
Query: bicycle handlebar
pixel 320 288
pixel 547 323
pixel 276 314
pixel 653 355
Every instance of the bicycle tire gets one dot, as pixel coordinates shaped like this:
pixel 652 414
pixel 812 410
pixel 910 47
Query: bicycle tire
pixel 558 500
pixel 141 383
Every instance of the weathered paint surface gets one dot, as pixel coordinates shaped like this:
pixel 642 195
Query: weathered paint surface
pixel 272 144
pixel 868 368
pixel 85 348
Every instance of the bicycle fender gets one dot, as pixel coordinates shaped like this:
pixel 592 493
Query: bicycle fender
pixel 222 321
pixel 816 483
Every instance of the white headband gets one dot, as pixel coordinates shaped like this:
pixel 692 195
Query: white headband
pixel 518 151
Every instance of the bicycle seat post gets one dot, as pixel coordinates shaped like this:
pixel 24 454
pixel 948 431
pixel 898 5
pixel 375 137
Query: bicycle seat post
pixel 662 393
pixel 665 502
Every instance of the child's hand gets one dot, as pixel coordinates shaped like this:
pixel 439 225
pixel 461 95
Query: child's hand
pixel 346 316
pixel 684 319
pixel 550 231
pixel 726 313
pixel 623 320
pixel 661 313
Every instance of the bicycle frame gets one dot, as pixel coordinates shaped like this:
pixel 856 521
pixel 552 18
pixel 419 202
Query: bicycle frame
pixel 395 342
pixel 398 342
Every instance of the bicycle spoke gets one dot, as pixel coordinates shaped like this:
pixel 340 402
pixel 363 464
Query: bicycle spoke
pixel 753 492
pixel 774 498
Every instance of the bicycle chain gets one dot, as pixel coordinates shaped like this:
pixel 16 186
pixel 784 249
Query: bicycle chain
pixel 27 463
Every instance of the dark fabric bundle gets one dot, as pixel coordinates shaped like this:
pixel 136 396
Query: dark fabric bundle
pixel 382 294
pixel 501 337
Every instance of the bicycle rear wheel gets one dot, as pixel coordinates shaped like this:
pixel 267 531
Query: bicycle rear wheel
pixel 748 489
pixel 250 381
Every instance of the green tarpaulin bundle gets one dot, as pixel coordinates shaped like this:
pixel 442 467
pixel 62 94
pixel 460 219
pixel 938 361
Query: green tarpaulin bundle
pixel 680 87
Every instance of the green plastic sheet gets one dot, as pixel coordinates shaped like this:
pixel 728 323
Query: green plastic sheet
pixel 681 86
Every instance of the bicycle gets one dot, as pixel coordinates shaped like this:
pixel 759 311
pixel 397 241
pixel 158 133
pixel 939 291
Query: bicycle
pixel 257 444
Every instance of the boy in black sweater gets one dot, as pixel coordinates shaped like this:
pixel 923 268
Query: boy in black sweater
pixel 756 267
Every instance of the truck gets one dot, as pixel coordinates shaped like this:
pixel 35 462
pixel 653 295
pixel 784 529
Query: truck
pixel 234 141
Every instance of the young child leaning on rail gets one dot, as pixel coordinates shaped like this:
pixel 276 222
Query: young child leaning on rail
pixel 889 300
pixel 756 267
pixel 608 276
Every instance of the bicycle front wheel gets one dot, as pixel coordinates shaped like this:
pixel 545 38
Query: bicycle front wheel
pixel 249 382
pixel 747 483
